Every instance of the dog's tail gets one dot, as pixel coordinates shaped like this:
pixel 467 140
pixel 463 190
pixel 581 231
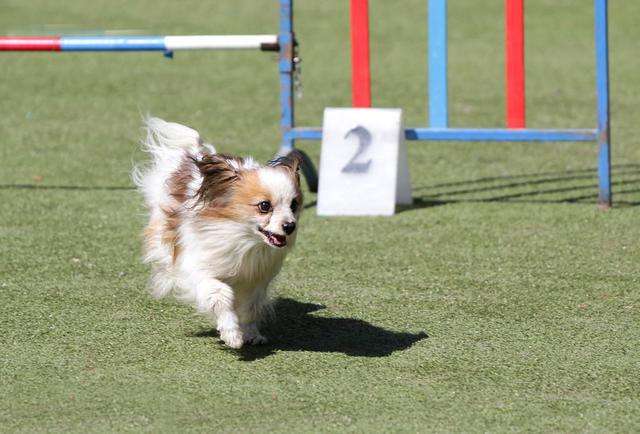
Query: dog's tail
pixel 162 135
pixel 169 139
pixel 167 143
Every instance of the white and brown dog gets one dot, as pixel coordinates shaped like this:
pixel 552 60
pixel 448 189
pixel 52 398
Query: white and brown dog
pixel 219 226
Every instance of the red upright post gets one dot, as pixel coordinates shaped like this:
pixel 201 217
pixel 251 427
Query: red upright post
pixel 360 70
pixel 514 62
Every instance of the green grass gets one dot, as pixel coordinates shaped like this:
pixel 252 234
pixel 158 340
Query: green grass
pixel 503 301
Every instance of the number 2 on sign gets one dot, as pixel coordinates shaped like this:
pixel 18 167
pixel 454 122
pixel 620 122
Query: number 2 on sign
pixel 364 141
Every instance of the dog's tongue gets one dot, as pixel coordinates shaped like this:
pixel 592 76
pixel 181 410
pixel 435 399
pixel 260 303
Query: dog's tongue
pixel 278 240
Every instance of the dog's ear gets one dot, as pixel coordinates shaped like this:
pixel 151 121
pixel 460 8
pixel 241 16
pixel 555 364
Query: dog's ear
pixel 219 174
pixel 290 162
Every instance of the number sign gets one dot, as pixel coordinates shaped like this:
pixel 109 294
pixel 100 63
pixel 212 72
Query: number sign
pixel 363 162
pixel 364 141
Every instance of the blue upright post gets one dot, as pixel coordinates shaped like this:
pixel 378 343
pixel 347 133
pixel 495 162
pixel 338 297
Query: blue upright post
pixel 286 42
pixel 437 46
pixel 602 87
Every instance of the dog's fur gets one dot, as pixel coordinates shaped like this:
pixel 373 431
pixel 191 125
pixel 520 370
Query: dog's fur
pixel 210 239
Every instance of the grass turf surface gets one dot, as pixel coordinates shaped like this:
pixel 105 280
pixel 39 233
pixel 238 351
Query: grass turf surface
pixel 503 300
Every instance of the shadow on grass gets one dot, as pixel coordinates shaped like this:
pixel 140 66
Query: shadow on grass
pixel 294 329
pixel 61 187
pixel 570 187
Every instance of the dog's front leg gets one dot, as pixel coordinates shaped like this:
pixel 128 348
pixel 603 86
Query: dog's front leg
pixel 252 313
pixel 218 297
pixel 252 335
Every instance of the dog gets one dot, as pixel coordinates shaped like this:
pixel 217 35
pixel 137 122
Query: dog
pixel 219 226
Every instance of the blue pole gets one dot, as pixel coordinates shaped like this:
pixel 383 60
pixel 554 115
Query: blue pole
pixel 602 88
pixel 476 134
pixel 112 43
pixel 285 66
pixel 437 46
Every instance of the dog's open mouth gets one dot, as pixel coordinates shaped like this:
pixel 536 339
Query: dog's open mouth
pixel 274 239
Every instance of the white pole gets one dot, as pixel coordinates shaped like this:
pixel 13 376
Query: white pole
pixel 218 42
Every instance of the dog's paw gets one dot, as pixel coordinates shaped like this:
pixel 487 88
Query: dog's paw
pixel 256 340
pixel 252 335
pixel 232 338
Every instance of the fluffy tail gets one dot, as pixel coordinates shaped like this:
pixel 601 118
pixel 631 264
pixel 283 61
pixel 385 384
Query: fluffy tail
pixel 162 134
pixel 166 143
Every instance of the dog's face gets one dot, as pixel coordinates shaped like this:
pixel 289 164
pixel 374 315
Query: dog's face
pixel 266 199
pixel 276 205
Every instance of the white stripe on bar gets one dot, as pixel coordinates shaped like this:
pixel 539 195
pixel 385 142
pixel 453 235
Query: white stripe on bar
pixel 218 42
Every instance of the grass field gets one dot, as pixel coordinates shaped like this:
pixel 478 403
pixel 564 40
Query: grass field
pixel 504 300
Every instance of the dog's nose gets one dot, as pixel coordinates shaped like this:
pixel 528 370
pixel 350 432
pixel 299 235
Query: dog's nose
pixel 289 227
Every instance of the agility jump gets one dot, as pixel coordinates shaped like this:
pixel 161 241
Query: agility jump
pixel 166 44
pixel 284 42
pixel 515 130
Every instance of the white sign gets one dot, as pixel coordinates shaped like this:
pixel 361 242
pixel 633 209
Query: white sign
pixel 363 162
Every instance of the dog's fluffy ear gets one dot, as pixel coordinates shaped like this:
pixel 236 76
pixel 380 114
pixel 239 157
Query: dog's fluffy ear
pixel 290 162
pixel 219 173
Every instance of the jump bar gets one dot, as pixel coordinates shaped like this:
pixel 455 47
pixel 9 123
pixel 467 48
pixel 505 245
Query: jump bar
pixel 478 135
pixel 139 43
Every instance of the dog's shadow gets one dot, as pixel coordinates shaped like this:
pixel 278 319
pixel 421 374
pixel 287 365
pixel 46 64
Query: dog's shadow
pixel 294 329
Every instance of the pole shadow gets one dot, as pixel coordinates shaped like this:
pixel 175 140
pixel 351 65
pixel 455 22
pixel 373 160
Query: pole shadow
pixel 63 187
pixel 294 329
pixel 569 187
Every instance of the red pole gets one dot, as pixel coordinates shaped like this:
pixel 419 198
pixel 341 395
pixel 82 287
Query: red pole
pixel 360 70
pixel 514 63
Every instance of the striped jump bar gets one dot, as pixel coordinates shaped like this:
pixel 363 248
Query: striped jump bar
pixel 166 44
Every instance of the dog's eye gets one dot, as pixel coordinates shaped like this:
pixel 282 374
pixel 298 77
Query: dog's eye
pixel 294 205
pixel 264 206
